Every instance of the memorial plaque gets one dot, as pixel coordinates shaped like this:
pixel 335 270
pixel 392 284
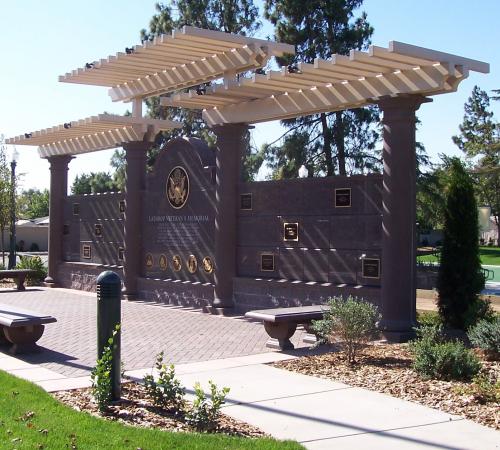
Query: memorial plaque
pixel 121 206
pixel 208 265
pixel 290 232
pixel 371 268
pixel 343 198
pixel 267 262
pixel 121 253
pixel 163 262
pixel 177 263
pixel 192 264
pixel 86 251
pixel 149 260
pixel 98 229
pixel 76 209
pixel 246 202
pixel 177 187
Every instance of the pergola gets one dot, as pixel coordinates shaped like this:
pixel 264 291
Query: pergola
pixel 232 94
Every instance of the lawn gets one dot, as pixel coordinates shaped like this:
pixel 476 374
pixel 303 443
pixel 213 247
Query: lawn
pixel 31 419
pixel 489 256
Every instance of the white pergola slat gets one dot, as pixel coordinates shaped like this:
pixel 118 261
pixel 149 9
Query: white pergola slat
pixel 328 85
pixel 185 58
pixel 92 134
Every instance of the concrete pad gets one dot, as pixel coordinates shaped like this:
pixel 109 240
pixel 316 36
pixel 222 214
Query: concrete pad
pixel 457 434
pixel 10 363
pixel 65 384
pixel 36 373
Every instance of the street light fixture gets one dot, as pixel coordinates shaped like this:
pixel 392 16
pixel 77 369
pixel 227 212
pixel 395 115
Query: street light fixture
pixel 12 252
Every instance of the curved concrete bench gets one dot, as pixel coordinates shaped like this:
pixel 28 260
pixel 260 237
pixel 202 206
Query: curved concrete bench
pixel 17 274
pixel 281 323
pixel 21 328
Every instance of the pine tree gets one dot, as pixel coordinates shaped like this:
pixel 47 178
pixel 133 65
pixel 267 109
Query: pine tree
pixel 479 139
pixel 460 278
pixel 338 142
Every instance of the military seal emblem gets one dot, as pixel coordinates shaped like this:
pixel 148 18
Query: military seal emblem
pixel 177 187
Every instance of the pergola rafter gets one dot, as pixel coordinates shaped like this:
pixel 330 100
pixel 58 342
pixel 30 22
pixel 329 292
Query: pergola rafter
pixel 92 134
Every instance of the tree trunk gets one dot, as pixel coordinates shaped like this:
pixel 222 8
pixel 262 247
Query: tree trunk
pixel 339 142
pixel 327 146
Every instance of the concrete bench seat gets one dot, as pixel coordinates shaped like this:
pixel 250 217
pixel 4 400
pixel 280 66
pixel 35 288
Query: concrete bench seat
pixel 17 274
pixel 21 328
pixel 281 323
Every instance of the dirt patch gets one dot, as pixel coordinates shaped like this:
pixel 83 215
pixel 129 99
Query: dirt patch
pixel 387 368
pixel 136 409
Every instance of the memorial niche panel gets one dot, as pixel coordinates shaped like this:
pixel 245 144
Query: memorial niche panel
pixel 179 210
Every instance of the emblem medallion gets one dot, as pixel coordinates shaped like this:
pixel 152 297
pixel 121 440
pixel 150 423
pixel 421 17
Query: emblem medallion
pixel 192 264
pixel 208 265
pixel 177 187
pixel 177 263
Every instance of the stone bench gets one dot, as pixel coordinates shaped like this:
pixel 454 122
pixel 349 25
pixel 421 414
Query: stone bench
pixel 18 274
pixel 281 323
pixel 21 328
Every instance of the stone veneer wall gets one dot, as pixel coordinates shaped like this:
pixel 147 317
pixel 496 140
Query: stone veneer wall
pixel 261 293
pixel 82 276
pixel 176 292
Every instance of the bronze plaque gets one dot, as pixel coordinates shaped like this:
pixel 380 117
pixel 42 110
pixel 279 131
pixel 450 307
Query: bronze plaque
pixel 343 198
pixel 163 262
pixel 149 260
pixel 290 231
pixel 121 206
pixel 246 202
pixel 177 263
pixel 86 251
pixel 177 187
pixel 76 209
pixel 192 264
pixel 208 265
pixel 121 253
pixel 371 268
pixel 267 262
pixel 98 229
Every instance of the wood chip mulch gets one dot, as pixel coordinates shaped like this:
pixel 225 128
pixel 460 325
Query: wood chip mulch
pixel 387 368
pixel 136 409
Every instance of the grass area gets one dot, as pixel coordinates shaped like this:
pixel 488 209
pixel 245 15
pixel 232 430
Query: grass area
pixel 489 256
pixel 31 419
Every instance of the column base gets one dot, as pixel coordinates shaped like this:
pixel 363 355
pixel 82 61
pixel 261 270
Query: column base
pixel 130 296
pixel 219 311
pixel 49 282
pixel 398 337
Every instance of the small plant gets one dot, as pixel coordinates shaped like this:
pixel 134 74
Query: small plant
pixel 205 412
pixel 434 357
pixel 484 389
pixel 33 263
pixel 167 392
pixel 101 375
pixel 486 335
pixel 352 321
pixel 428 318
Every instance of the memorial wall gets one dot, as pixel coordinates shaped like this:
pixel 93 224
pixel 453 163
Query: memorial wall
pixel 299 241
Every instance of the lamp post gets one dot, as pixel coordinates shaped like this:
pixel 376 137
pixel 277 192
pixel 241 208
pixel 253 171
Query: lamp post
pixel 12 252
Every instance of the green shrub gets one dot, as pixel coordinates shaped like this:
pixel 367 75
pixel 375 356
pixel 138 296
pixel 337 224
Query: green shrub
pixel 428 318
pixel 167 392
pixel 353 322
pixel 102 383
pixel 484 389
pixel 33 263
pixel 486 335
pixel 205 412
pixel 443 360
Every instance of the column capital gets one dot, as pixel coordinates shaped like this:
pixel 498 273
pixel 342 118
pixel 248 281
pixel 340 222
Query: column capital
pixel 401 107
pixel 59 160
pixel 137 146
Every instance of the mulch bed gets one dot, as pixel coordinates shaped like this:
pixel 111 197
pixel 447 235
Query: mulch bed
pixel 136 408
pixel 387 368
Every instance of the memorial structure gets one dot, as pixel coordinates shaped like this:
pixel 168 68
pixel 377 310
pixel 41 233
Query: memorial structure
pixel 192 232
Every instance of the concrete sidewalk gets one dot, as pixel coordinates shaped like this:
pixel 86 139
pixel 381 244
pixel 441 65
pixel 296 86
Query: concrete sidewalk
pixel 321 414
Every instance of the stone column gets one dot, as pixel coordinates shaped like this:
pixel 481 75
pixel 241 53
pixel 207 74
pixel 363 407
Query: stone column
pixel 58 193
pixel 398 296
pixel 229 153
pixel 135 174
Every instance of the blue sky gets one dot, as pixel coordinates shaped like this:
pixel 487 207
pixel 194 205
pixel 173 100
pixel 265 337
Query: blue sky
pixel 41 40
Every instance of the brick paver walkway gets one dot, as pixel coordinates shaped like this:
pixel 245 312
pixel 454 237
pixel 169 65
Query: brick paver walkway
pixel 186 335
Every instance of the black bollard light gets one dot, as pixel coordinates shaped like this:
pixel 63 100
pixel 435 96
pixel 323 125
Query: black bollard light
pixel 108 316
